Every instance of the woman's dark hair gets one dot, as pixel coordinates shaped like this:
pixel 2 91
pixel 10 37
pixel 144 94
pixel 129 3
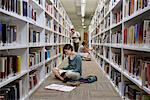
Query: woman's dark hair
pixel 67 47
pixel 72 29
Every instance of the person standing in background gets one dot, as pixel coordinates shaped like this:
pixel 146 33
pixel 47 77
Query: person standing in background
pixel 76 39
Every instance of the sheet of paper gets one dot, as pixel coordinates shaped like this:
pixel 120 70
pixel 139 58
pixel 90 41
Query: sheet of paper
pixel 60 87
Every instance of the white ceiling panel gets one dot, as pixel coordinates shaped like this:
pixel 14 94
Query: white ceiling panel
pixel 73 10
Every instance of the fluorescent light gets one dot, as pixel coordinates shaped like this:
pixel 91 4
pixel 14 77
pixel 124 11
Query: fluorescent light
pixel 82 20
pixel 83 1
pixel 82 24
pixel 83 5
pixel 83 10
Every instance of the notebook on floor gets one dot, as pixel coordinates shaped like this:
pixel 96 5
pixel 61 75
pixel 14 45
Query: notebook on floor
pixel 60 87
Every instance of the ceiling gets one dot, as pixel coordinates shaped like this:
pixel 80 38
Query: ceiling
pixel 73 9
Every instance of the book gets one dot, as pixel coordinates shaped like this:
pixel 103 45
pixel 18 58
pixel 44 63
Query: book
pixel 4 33
pixel 3 70
pixel 146 32
pixel 13 91
pixel 1 33
pixel 18 7
pixel 25 12
pixel 59 87
pixel 19 86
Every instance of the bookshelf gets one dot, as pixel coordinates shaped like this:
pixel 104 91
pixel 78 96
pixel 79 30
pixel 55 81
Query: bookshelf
pixel 120 36
pixel 32 36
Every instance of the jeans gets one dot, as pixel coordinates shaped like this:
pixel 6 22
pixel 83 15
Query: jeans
pixel 70 74
pixel 76 46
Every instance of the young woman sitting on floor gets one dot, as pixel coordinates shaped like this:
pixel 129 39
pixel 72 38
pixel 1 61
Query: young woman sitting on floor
pixel 74 69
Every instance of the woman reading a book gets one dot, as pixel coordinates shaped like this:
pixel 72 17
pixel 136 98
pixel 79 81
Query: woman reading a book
pixel 74 69
pixel 84 51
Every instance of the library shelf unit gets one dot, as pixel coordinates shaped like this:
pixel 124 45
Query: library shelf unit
pixel 120 36
pixel 32 36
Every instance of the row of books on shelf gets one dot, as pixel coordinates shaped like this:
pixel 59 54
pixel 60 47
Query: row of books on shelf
pixel 16 89
pixel 138 67
pixel 13 91
pixel 53 63
pixel 49 38
pixel 60 19
pixel 52 52
pixel 34 36
pixel 126 88
pixel 98 49
pixel 10 66
pixel 48 21
pixel 54 12
pixel 116 58
pixel 107 22
pixel 57 27
pixel 134 5
pixel 8 34
pixel 48 54
pixel 138 33
pixel 115 76
pixel 29 11
pixel 49 7
pixel 103 38
pixel 55 38
pixel 131 91
pixel 117 17
pixel 134 34
pixel 48 67
pixel 107 6
pixel 116 37
pixel 11 5
pixel 34 79
pixel 58 5
pixel 102 26
pixel 130 6
pixel 15 6
pixel 57 61
pixel 35 57
pixel 51 10
pixel 106 52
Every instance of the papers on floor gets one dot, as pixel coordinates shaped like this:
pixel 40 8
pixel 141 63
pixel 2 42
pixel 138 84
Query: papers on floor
pixel 60 87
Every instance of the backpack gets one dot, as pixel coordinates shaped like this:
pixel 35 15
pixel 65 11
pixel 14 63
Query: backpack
pixel 88 79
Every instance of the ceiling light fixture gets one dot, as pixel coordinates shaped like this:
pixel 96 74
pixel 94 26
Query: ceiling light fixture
pixel 83 1
pixel 83 5
pixel 82 20
pixel 82 24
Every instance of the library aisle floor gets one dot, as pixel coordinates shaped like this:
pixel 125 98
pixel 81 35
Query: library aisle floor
pixel 100 90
